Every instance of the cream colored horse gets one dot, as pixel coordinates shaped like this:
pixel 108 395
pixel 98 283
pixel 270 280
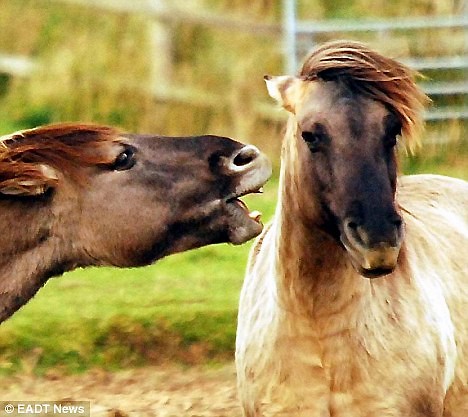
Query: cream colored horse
pixel 355 302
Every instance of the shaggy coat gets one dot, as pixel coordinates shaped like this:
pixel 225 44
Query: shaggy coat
pixel 315 337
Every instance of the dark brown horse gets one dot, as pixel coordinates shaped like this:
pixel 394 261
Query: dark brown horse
pixel 78 195
pixel 316 336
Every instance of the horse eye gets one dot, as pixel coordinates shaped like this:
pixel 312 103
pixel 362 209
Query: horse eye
pixel 313 140
pixel 391 138
pixel 393 130
pixel 391 141
pixel 125 160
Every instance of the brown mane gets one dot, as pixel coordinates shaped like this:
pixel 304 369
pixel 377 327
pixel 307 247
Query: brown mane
pixel 26 155
pixel 374 75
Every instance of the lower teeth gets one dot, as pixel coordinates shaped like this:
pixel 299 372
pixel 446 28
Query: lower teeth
pixel 255 215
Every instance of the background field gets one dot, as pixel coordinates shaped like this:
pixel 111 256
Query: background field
pixel 97 66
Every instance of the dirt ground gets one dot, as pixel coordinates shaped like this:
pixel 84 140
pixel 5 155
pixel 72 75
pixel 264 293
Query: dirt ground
pixel 167 391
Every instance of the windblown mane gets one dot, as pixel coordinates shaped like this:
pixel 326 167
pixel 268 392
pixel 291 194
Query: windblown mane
pixel 374 75
pixel 26 155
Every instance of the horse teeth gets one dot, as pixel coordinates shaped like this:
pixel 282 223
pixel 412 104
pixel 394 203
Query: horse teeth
pixel 241 203
pixel 255 215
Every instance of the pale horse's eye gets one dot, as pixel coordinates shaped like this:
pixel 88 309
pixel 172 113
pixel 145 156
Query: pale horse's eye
pixel 313 140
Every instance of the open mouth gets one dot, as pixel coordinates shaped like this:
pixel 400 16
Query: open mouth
pixel 244 224
pixel 254 215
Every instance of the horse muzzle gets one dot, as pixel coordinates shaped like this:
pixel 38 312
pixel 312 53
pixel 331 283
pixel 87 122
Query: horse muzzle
pixel 372 260
pixel 376 262
pixel 379 261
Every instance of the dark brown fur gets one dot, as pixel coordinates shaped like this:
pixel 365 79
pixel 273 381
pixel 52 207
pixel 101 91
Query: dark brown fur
pixel 77 195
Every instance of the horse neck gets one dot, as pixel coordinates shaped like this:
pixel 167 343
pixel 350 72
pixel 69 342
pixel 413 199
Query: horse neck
pixel 309 262
pixel 29 253
pixel 22 275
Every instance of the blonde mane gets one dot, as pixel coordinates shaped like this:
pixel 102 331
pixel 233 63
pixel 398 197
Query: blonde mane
pixel 375 76
pixel 27 155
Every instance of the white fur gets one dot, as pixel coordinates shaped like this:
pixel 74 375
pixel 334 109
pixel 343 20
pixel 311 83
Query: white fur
pixel 347 346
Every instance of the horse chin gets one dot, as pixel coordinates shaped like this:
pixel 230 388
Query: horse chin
pixel 372 263
pixel 242 225
pixel 374 273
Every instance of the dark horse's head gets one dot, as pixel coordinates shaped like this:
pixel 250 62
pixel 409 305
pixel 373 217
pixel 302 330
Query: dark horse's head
pixel 349 107
pixel 79 195
pixel 124 199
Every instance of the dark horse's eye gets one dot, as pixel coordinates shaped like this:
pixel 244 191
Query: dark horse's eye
pixel 391 141
pixel 393 130
pixel 313 140
pixel 125 160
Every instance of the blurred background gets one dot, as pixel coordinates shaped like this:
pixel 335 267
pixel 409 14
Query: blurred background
pixel 186 67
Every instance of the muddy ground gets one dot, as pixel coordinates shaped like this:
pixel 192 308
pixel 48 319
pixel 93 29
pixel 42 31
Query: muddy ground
pixel 166 391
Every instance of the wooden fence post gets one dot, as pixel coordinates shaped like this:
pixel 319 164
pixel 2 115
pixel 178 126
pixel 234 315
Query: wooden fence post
pixel 160 38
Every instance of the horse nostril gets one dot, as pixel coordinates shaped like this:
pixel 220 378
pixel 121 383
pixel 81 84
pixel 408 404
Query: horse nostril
pixel 242 159
pixel 355 232
pixel 353 225
pixel 246 155
pixel 395 220
pixel 372 231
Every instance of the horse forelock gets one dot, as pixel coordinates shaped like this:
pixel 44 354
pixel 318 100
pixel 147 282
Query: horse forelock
pixel 65 147
pixel 378 77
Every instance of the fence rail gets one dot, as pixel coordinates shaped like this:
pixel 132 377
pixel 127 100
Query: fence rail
pixel 16 65
pixel 292 31
pixel 439 63
pixel 382 25
pixel 300 35
pixel 445 88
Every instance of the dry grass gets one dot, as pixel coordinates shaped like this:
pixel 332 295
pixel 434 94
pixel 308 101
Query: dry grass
pixel 166 391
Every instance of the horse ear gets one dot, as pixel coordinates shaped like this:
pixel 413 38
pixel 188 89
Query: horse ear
pixel 284 89
pixel 33 183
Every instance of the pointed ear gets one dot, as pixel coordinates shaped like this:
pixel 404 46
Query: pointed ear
pixel 30 183
pixel 284 89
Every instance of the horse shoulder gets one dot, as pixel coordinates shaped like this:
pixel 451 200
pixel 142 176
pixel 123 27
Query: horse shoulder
pixel 430 194
pixel 435 210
